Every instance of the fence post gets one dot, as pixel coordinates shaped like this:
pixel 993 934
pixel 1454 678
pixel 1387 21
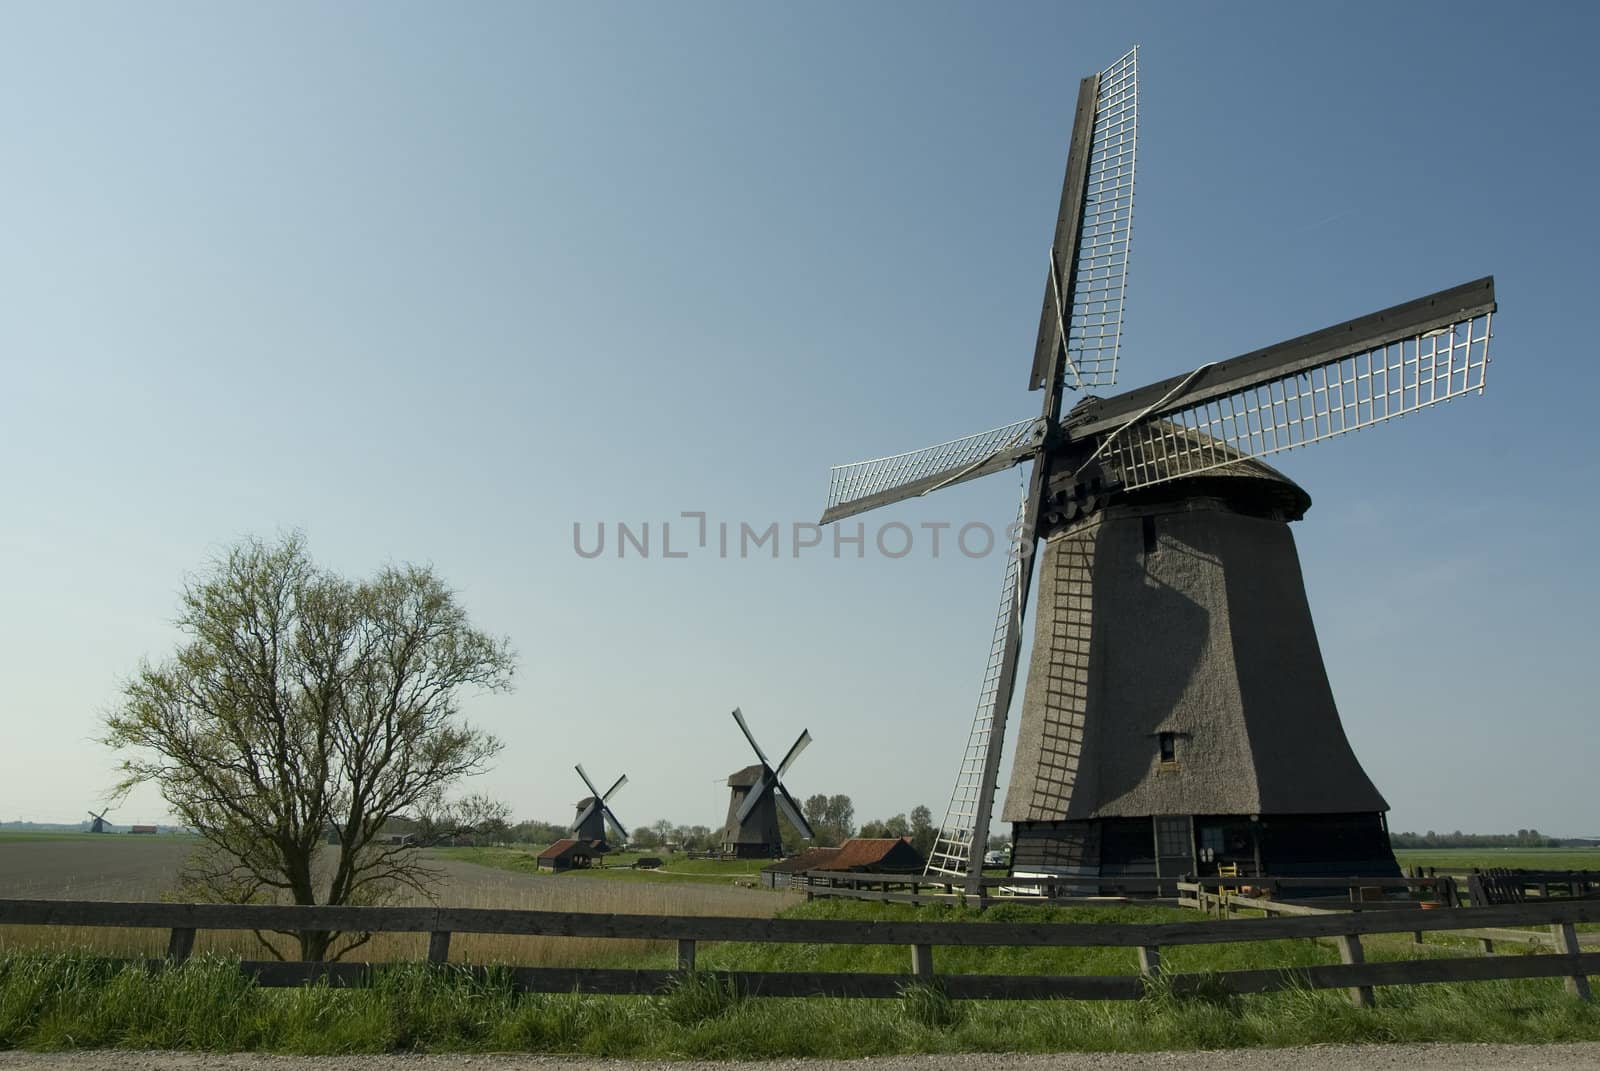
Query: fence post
pixel 1565 938
pixel 439 946
pixel 1350 952
pixel 685 954
pixel 1487 945
pixel 1149 961
pixel 180 944
pixel 922 961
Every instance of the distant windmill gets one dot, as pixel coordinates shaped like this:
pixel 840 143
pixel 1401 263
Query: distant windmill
pixel 594 813
pixel 756 796
pixel 99 823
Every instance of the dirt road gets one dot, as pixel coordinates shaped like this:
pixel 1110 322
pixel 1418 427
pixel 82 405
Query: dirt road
pixel 1332 1058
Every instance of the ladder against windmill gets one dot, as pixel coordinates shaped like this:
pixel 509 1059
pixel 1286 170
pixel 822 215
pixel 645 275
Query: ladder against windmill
pixel 594 815
pixel 756 796
pixel 1177 716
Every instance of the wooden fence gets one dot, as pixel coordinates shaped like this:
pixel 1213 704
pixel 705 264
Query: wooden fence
pixel 1351 890
pixel 1565 960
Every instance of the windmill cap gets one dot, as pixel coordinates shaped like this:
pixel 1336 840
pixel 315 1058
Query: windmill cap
pixel 746 777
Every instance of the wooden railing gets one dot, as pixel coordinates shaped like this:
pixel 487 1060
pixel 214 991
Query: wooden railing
pixel 927 889
pixel 920 938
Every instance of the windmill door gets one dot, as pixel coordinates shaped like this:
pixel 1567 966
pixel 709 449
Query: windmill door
pixel 1174 848
pixel 1224 841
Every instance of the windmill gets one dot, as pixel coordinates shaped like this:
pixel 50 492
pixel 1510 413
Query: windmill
pixel 756 796
pixel 1177 716
pixel 98 823
pixel 595 814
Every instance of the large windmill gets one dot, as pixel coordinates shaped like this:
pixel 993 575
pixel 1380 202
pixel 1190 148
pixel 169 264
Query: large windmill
pixel 594 813
pixel 1177 714
pixel 98 823
pixel 755 797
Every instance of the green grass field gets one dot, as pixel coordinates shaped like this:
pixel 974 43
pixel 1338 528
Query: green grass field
pixel 58 1002
pixel 1461 860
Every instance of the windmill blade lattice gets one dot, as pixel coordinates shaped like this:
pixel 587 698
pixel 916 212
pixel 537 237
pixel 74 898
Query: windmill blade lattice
pixel 1092 314
pixel 960 843
pixel 864 485
pixel 1304 406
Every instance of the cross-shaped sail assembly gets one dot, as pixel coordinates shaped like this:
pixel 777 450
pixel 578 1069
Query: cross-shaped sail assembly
pixel 1349 376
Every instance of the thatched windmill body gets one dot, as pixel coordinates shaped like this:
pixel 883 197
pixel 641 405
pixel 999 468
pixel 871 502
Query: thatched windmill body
pixel 1177 715
pixel 756 796
pixel 98 823
pixel 594 814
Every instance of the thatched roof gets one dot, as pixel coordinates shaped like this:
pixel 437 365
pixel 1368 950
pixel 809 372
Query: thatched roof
pixel 1208 637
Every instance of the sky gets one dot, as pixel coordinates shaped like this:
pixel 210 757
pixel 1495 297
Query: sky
pixel 438 284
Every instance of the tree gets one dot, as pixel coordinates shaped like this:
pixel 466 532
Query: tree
pixel 887 827
pixel 831 818
pixel 841 818
pixel 923 831
pixel 304 708
pixel 645 837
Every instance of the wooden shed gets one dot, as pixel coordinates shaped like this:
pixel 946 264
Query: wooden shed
pixel 569 855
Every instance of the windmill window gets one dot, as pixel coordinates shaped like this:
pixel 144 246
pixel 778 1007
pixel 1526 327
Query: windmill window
pixel 1168 742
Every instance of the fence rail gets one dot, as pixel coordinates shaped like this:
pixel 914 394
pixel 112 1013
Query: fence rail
pixel 921 938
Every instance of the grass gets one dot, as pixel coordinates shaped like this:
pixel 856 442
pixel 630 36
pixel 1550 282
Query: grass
pixel 63 1002
pixel 59 988
pixel 1461 860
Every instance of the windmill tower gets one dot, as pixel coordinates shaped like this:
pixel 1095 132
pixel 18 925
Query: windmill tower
pixel 755 797
pixel 594 814
pixel 1177 715
pixel 98 823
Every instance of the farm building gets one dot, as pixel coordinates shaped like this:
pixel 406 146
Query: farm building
pixel 569 854
pixel 859 855
pixel 877 855
pixel 141 829
pixel 781 875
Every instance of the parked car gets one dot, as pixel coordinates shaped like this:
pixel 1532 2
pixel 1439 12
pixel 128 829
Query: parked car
pixel 994 858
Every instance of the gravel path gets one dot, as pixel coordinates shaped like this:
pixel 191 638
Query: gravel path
pixel 1342 1057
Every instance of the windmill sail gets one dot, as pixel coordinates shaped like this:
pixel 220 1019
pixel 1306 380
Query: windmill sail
pixel 864 485
pixel 1089 257
pixel 1338 380
pixel 960 841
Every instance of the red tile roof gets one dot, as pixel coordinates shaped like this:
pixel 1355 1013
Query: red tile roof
pixel 865 852
pixel 562 847
pixel 811 859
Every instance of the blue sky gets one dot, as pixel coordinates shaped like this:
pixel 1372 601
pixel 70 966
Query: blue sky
pixel 434 284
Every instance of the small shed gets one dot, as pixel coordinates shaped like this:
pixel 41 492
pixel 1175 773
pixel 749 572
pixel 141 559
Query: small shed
pixel 877 855
pixel 569 855
pixel 783 873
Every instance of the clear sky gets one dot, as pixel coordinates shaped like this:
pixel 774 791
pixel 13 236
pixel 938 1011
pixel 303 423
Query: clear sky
pixel 434 283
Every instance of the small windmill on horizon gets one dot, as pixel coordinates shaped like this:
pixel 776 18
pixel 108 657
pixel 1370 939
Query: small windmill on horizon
pixel 594 814
pixel 1177 715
